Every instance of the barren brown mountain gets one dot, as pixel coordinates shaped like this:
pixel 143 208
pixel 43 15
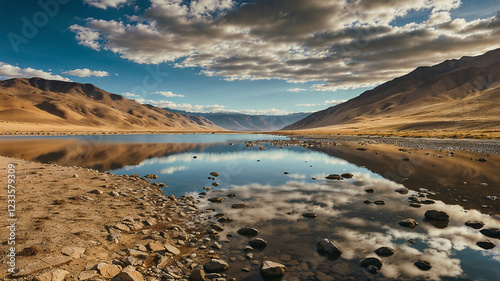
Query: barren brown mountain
pixel 461 96
pixel 37 104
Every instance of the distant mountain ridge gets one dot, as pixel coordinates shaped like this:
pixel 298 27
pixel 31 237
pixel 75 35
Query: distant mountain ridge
pixel 246 122
pixel 56 103
pixel 459 94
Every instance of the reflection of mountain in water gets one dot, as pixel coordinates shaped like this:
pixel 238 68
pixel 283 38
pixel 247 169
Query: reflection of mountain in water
pixel 456 178
pixel 99 156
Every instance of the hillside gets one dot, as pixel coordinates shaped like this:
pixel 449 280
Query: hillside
pixel 454 96
pixel 37 104
pixel 245 122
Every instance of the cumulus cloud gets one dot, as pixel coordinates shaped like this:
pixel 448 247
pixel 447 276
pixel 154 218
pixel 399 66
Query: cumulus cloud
pixel 85 72
pixel 11 71
pixel 208 108
pixel 168 94
pixel 104 4
pixel 132 96
pixel 327 102
pixel 296 90
pixel 337 44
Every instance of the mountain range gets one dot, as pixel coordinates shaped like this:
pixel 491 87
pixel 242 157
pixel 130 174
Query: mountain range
pixel 454 96
pixel 36 103
pixel 246 122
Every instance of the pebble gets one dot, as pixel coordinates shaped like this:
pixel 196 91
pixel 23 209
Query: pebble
pixel 248 231
pixel 423 265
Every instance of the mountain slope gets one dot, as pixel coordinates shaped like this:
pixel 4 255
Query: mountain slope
pixel 245 122
pixel 455 95
pixel 48 103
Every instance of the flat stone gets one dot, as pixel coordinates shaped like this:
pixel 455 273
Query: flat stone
pixel 333 177
pixel 130 274
pixel 272 270
pixel 309 215
pixel 54 275
pixel 371 261
pixel 198 274
pixel 74 252
pixel 43 263
pixel 87 274
pixel 402 190
pixel 437 215
pixel 324 277
pixel 216 200
pixel 214 174
pixel 258 243
pixel 155 246
pixel 379 202
pixel 108 270
pixel 215 266
pixel 217 227
pixel 122 227
pixel 411 223
pixel 347 175
pixel 239 206
pixel 384 251
pixel 162 262
pixel 488 244
pixel 137 254
pixel 172 249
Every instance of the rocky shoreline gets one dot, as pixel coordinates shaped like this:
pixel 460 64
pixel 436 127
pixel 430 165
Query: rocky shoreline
pixel 82 224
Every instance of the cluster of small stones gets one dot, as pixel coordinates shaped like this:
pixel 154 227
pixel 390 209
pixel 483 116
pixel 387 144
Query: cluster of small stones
pixel 291 142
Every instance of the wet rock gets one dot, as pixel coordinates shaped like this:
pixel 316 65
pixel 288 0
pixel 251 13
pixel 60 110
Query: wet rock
pixel 384 251
pixel 272 270
pixel 286 173
pixel 333 177
pixel 198 274
pixel 216 245
pixel 428 202
pixel 372 269
pixel 215 184
pixel 248 231
pixel 258 243
pixel 423 265
pixel 402 190
pixel 437 215
pixel 406 159
pixel 366 262
pixel 411 223
pixel 482 159
pixel 415 205
pixel 487 244
pixel 324 277
pixel 491 232
pixel 379 202
pixel 207 188
pixel 249 256
pixel 309 215
pixel 414 199
pixel 475 224
pixel 151 176
pixel 239 206
pixel 347 175
pixel 367 202
pixel 370 190
pixel 214 174
pixel 361 149
pixel 327 248
pixel 232 195
pixel 224 220
pixel 217 227
pixel 216 200
pixel 215 266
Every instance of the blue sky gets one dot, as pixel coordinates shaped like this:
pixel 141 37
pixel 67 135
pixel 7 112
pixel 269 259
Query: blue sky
pixel 266 57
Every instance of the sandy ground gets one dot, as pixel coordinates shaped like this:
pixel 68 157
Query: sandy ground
pixel 59 206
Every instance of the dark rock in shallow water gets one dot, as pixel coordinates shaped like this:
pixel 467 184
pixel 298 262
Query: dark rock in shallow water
pixel 437 215
pixel 239 206
pixel 423 265
pixel 488 244
pixel 415 205
pixel 214 174
pixel 333 177
pixel 379 202
pixel 232 195
pixel 402 190
pixel 327 248
pixel 248 231
pixel 216 265
pixel 367 202
pixel 216 200
pixel 309 215
pixel 370 190
pixel 371 261
pixel 372 269
pixel 272 270
pixel 384 251
pixel 428 201
pixel 215 184
pixel 361 149
pixel 491 232
pixel 408 223
pixel 347 175
pixel 474 224
pixel 258 243
pixel 223 220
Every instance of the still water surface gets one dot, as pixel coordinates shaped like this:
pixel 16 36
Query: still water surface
pixel 280 184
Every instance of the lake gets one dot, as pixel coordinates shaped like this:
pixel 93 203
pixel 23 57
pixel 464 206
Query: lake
pixel 280 183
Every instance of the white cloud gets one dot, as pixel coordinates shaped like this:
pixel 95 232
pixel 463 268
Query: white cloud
pixel 336 44
pixel 296 90
pixel 210 108
pixel 168 94
pixel 104 4
pixel 85 72
pixel 130 95
pixel 11 71
pixel 327 102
